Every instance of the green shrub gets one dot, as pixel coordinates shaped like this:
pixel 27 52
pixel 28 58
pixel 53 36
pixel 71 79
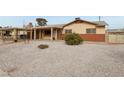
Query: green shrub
pixel 43 46
pixel 73 39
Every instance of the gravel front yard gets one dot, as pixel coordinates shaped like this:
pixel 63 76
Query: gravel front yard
pixel 20 59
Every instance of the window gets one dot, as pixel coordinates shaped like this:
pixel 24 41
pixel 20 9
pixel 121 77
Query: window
pixel 68 31
pixel 91 31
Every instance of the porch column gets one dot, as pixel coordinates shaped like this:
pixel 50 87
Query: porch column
pixel 15 33
pixel 31 35
pixel 39 34
pixel 42 34
pixel 56 34
pixel 51 33
pixel 34 34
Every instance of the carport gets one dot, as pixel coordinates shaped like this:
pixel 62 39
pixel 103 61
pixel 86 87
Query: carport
pixel 12 33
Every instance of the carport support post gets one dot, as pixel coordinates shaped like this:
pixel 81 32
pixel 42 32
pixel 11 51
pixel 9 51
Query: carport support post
pixel 2 36
pixel 51 33
pixel 34 34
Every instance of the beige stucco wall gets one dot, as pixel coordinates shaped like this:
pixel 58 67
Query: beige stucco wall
pixel 80 28
pixel 100 30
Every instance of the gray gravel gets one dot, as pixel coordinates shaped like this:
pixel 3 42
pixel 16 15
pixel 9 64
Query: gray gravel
pixel 20 59
pixel 3 74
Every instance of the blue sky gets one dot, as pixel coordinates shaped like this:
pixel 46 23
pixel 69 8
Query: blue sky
pixel 18 21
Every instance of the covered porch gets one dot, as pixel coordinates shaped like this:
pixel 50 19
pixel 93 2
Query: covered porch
pixel 46 33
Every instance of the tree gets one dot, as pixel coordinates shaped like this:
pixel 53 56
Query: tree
pixel 41 21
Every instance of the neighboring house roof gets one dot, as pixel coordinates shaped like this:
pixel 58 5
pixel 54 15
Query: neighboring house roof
pixel 98 23
pixel 115 30
pixel 10 29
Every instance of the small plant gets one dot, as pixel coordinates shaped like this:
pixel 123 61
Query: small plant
pixel 43 46
pixel 73 39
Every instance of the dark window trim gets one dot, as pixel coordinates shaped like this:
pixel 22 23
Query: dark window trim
pixel 69 31
pixel 91 31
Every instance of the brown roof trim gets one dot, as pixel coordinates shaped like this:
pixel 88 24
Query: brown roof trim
pixel 100 25
pixel 80 21
pixel 45 28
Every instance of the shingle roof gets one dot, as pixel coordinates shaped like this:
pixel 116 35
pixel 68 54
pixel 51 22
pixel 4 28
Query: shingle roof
pixel 55 25
pixel 49 26
pixel 98 23
pixel 101 23
pixel 79 20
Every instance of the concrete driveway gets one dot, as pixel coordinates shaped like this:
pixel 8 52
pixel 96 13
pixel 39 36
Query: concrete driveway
pixel 88 59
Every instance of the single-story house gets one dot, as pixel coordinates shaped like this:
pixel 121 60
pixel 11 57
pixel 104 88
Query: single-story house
pixel 91 31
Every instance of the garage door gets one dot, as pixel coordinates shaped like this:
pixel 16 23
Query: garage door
pixel 116 38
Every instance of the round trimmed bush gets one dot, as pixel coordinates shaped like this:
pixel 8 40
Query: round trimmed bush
pixel 73 39
pixel 43 46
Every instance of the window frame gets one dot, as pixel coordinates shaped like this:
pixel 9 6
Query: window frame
pixel 68 31
pixel 91 31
